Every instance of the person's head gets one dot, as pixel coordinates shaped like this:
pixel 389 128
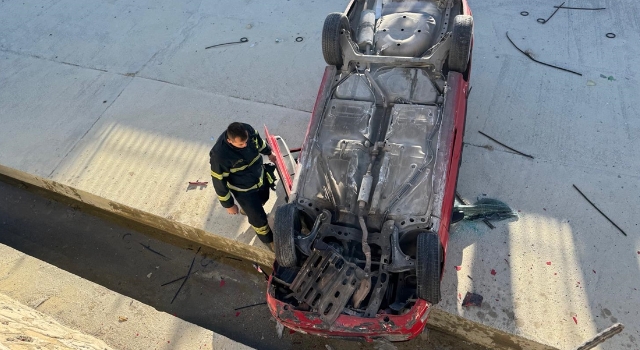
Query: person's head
pixel 237 135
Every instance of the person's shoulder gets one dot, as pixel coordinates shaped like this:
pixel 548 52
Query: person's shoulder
pixel 218 147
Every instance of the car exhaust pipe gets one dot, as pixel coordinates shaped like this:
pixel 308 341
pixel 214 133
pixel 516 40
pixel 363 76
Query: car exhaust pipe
pixel 365 284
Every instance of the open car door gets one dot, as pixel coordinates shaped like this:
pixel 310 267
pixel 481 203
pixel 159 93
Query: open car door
pixel 285 162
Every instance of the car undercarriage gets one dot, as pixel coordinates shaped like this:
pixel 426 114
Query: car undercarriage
pixel 365 230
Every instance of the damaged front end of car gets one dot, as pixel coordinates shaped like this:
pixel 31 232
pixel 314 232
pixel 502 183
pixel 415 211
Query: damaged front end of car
pixel 333 293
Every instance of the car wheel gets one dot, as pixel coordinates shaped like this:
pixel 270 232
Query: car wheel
pixel 286 226
pixel 334 25
pixel 428 259
pixel 461 43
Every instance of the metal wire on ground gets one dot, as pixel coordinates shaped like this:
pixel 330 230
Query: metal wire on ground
pixel 534 60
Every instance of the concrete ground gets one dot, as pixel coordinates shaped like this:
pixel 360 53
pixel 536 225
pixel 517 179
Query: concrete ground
pixel 116 104
pixel 45 307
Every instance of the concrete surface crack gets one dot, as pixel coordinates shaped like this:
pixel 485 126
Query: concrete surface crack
pixel 88 129
pixel 184 32
pixel 40 301
pixel 51 60
pixel 219 95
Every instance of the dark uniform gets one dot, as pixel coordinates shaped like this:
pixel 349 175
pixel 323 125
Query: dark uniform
pixel 239 171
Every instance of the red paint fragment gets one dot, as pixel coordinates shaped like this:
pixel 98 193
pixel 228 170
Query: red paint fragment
pixel 548 262
pixel 291 331
pixel 575 319
pixel 222 282
pixel 493 272
pixel 237 313
pixel 594 271
pixel 458 268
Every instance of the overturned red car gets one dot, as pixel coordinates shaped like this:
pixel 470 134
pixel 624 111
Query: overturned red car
pixel 361 242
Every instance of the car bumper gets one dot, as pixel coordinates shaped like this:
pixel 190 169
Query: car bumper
pixel 390 327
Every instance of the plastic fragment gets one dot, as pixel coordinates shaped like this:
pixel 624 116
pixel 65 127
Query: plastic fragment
pixel 493 272
pixel 279 329
pixel 591 83
pixel 548 262
pixel 575 319
pixel 458 268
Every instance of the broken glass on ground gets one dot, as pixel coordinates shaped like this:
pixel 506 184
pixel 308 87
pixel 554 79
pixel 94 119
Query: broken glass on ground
pixel 484 208
pixel 472 299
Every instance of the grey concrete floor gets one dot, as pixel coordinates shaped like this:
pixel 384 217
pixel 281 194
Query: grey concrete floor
pixel 121 100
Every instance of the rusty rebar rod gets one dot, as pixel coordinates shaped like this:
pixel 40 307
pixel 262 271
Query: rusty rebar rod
pixel 600 211
pixel 187 276
pixel 503 145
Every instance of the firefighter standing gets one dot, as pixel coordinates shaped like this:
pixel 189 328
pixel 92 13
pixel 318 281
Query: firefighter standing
pixel 236 168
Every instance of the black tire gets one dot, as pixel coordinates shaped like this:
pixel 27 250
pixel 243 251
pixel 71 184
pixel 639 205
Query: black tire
pixel 428 260
pixel 461 43
pixel 334 25
pixel 286 226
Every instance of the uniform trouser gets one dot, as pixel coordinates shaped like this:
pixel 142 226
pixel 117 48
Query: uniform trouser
pixel 251 202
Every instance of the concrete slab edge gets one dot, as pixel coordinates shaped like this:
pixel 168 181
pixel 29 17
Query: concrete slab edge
pixel 192 234
pixel 455 325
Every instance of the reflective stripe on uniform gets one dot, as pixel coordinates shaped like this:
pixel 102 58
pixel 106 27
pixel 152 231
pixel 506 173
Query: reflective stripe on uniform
pixel 270 179
pixel 235 170
pixel 264 144
pixel 258 185
pixel 262 230
pixel 225 198
pixel 219 176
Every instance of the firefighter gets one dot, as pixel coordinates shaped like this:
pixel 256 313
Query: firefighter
pixel 238 173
